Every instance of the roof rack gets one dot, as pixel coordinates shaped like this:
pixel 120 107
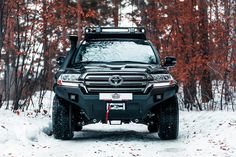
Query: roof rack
pixel 115 32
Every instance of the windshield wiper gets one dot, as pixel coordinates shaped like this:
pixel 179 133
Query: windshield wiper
pixel 79 64
pixel 134 62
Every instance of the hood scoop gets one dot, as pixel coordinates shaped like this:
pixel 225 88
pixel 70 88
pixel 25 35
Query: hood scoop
pixel 115 67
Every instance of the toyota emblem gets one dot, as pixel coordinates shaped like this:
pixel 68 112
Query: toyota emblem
pixel 115 80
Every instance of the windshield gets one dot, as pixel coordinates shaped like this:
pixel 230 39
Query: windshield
pixel 138 51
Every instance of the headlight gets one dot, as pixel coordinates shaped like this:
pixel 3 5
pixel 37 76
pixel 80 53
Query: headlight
pixel 162 77
pixel 162 80
pixel 70 77
pixel 69 80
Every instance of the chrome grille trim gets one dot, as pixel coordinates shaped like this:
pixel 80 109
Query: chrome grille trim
pixel 99 82
pixel 106 77
pixel 107 84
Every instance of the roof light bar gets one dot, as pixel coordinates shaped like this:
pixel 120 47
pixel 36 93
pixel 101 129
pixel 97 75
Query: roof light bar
pixel 115 32
pixel 137 30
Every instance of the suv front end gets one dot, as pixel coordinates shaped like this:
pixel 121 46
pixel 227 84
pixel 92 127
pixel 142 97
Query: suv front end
pixel 114 75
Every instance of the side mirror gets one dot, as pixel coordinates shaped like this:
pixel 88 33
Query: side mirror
pixel 60 60
pixel 169 61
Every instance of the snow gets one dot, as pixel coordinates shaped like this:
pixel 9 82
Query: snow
pixel 201 134
pixel 26 134
pixel 215 103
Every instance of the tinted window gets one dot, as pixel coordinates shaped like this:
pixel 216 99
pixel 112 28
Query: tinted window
pixel 109 51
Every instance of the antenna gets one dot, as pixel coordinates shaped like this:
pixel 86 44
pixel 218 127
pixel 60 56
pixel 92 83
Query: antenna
pixel 132 11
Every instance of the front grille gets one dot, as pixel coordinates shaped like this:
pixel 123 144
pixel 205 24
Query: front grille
pixel 99 82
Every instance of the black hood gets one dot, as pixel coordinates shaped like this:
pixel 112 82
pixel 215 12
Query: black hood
pixel 93 67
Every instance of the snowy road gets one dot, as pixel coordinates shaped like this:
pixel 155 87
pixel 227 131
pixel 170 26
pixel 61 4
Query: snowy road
pixel 201 134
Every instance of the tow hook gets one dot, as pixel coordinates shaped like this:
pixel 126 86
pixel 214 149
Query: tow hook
pixel 107 113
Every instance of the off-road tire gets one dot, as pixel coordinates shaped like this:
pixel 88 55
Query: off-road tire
pixel 62 120
pixel 169 119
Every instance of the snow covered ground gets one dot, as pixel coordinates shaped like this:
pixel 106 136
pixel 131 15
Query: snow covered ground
pixel 201 134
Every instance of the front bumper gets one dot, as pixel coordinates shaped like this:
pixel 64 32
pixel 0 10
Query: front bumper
pixel 137 108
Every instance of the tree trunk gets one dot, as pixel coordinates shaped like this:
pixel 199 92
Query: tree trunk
pixel 116 12
pixel 17 73
pixel 228 54
pixel 1 25
pixel 190 93
pixel 190 90
pixel 206 86
pixel 234 44
pixel 7 81
pixel 79 10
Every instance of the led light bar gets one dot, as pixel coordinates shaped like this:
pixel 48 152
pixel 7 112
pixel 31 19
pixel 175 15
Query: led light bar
pixel 163 84
pixel 138 30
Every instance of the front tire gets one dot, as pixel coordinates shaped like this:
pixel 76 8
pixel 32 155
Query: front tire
pixel 62 120
pixel 169 119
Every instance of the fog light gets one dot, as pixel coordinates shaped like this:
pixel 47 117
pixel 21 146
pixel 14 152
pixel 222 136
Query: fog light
pixel 94 120
pixel 158 97
pixel 136 120
pixel 73 97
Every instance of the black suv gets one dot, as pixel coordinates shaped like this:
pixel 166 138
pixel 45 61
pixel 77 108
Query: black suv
pixel 114 76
